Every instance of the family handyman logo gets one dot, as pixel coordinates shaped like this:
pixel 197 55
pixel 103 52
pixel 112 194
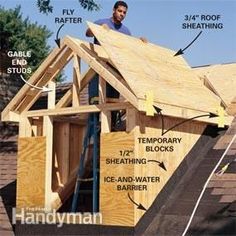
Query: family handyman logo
pixel 25 216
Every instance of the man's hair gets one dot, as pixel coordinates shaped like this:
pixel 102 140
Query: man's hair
pixel 120 3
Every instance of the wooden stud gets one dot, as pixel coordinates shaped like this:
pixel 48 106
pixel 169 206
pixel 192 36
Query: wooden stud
pixel 105 114
pixel 48 133
pixel 25 129
pixel 33 79
pixel 58 66
pixel 76 81
pixel 131 119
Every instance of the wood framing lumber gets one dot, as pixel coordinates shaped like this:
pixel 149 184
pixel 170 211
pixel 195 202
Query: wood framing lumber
pixel 76 81
pixel 102 69
pixel 82 121
pixel 64 192
pixel 25 129
pixel 12 116
pixel 105 115
pixel 48 133
pixel 52 95
pixel 34 78
pixel 67 98
pixel 90 73
pixel 97 49
pixel 63 59
pixel 79 110
pixel 221 79
pixel 131 119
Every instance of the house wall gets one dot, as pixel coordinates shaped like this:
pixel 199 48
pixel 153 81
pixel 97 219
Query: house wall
pixel 115 203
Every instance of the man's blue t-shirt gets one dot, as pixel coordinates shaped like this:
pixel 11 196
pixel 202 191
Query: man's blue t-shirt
pixel 117 27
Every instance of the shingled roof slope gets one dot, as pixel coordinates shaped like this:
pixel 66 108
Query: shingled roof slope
pixel 216 212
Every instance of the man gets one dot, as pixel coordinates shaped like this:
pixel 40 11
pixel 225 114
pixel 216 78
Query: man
pixel 115 23
pixel 119 12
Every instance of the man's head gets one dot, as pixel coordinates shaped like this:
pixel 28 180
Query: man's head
pixel 119 11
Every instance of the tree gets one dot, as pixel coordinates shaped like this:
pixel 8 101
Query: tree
pixel 46 7
pixel 18 34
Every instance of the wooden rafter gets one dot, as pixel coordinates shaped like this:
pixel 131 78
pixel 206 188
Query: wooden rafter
pixel 105 115
pixel 102 69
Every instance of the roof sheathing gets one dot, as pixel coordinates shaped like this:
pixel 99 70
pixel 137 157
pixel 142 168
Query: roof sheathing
pixel 147 67
pixel 222 80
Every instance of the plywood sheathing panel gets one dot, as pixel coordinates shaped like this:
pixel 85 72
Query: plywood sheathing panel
pixel 31 172
pixel 76 144
pixel 221 79
pixel 150 127
pixel 67 148
pixel 60 154
pixel 115 205
pixel 148 67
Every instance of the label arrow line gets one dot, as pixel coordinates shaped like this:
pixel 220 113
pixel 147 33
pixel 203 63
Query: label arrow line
pixel 181 51
pixel 210 115
pixel 139 206
pixel 57 40
pixel 161 164
pixel 44 88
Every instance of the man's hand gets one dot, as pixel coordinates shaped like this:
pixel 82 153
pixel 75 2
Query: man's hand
pixel 89 33
pixel 105 26
pixel 144 40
